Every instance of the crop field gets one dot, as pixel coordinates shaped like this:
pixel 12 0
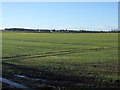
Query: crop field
pixel 65 60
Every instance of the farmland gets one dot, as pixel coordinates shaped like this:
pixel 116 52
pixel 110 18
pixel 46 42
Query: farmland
pixel 64 59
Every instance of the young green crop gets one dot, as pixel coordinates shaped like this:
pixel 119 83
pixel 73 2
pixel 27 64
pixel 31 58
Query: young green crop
pixel 67 54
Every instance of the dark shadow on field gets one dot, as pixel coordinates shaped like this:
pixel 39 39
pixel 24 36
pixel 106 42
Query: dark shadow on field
pixel 56 80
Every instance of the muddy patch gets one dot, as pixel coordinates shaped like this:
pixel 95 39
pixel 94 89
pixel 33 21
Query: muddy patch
pixel 33 79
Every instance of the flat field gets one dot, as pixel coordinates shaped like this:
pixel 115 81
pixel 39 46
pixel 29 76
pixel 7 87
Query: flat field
pixel 64 59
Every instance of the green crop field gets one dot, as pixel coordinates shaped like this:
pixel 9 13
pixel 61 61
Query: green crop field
pixel 67 59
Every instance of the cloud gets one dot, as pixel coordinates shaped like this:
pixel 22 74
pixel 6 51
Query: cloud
pixel 97 27
pixel 71 27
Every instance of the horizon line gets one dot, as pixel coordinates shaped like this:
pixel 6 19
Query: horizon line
pixel 54 29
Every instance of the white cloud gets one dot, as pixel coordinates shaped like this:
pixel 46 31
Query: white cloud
pixel 71 27
pixel 98 27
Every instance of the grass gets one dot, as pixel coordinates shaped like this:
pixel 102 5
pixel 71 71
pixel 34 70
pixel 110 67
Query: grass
pixel 76 55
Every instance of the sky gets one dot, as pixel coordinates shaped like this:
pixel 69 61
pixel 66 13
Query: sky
pixel 60 15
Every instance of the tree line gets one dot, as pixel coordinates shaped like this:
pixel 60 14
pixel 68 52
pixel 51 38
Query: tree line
pixel 58 31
